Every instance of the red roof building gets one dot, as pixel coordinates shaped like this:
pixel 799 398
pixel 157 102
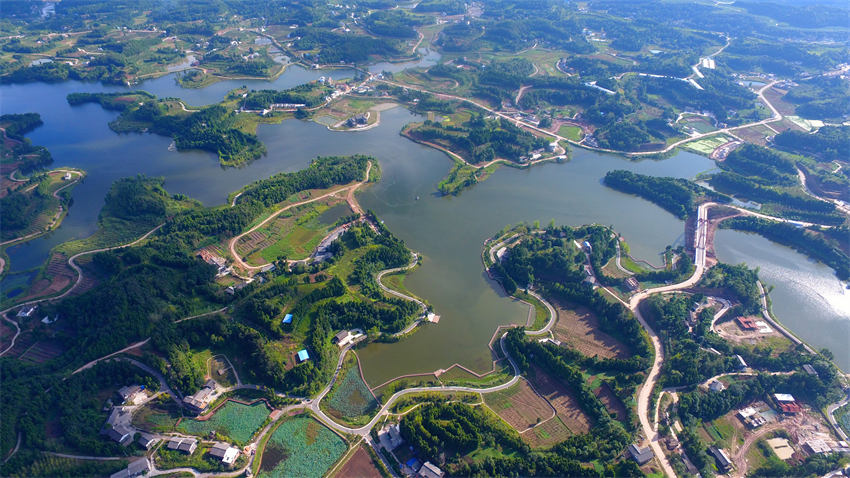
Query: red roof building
pixel 790 408
pixel 747 323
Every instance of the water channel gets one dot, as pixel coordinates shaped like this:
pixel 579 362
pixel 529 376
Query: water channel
pixel 448 231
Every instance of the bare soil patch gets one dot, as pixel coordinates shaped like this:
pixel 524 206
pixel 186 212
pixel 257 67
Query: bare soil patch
pixel 561 400
pixel 579 327
pixel 613 404
pixel 360 465
pixel 520 406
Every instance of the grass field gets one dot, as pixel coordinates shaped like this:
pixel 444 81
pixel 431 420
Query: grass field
pixel 350 399
pixel 570 132
pixel 301 447
pixel 234 420
pixel 707 145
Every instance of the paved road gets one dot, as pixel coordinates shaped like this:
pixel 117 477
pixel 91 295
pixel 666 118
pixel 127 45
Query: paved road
pixel 830 415
pixel 54 222
pixel 365 429
pixel 645 392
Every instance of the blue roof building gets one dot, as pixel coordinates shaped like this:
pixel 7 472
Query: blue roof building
pixel 287 319
pixel 303 356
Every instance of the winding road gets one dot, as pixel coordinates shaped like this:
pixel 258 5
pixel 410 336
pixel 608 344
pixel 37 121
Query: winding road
pixel 80 277
pixel 349 197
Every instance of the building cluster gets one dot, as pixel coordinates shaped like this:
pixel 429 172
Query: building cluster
pixel 389 438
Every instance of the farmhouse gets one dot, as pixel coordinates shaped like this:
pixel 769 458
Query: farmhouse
pixel 26 311
pixel 722 459
pixel 342 338
pixel 186 445
pixel 716 386
pixel 430 470
pixel 632 284
pixel 118 428
pixel 131 393
pixel 390 437
pixel 146 440
pixel 287 319
pixel 202 398
pixel 303 356
pixel 136 468
pixel 225 452
pixel 810 370
pixel 640 455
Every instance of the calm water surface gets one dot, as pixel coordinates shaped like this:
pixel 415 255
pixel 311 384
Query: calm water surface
pixel 807 297
pixel 447 231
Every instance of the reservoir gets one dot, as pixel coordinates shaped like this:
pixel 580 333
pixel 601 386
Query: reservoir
pixel 448 231
pixel 807 297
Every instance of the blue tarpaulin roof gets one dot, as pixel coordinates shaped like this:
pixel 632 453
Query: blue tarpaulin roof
pixel 287 319
pixel 303 355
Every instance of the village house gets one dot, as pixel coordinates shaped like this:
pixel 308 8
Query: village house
pixel 641 456
pixel 342 338
pixel 26 311
pixel 117 427
pixel 716 386
pixel 131 393
pixel 390 437
pixel 136 468
pixel 430 470
pixel 146 440
pixel 186 445
pixel 200 400
pixel 724 464
pixel 225 452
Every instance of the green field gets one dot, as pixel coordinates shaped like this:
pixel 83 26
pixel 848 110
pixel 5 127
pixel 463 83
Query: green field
pixel 301 447
pixel 571 132
pixel 707 145
pixel 350 398
pixel 237 421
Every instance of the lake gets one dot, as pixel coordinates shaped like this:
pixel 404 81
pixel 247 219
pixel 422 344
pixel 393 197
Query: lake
pixel 447 231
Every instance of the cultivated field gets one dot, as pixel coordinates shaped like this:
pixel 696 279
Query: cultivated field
pixel 707 145
pixel 561 399
pixel 42 351
pixel 294 233
pixel 578 327
pixel 360 465
pixel 520 406
pixel 547 434
pixel 301 447
pixel 234 420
